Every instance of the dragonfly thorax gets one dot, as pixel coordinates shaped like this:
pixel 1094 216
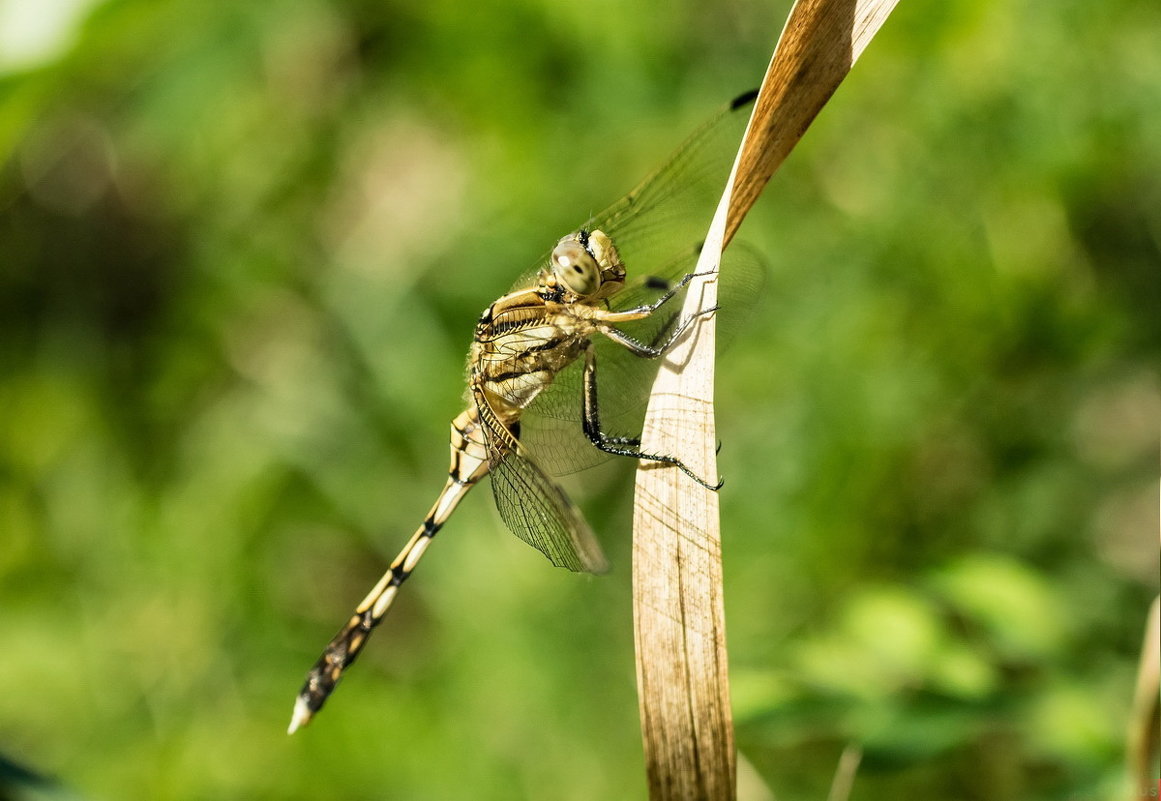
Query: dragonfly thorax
pixel 584 266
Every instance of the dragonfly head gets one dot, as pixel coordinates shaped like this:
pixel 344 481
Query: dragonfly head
pixel 585 264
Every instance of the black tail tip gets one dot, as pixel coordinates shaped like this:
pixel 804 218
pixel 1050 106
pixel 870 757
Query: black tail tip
pixel 744 99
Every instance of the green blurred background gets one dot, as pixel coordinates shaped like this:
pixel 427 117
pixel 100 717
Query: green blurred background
pixel 242 249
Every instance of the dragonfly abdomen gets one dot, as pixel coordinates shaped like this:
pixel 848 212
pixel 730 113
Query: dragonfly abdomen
pixel 469 463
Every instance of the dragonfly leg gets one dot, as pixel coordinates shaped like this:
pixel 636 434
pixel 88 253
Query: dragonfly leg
pixel 620 446
pixel 653 350
pixel 640 312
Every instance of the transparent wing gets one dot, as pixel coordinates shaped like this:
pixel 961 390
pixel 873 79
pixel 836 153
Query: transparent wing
pixel 659 224
pixel 538 512
pixel 534 507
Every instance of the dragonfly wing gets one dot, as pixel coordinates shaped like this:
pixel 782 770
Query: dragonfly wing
pixel 666 214
pixel 533 506
pixel 537 511
pixel 664 218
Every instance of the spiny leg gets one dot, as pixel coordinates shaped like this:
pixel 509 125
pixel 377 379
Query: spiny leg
pixel 646 309
pixel 620 446
pixel 665 334
pixel 665 337
pixel 651 350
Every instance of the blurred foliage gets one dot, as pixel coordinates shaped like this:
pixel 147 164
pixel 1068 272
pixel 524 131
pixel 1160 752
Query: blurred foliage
pixel 242 249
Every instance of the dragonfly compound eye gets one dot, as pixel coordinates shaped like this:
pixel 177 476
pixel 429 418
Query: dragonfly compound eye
pixel 575 267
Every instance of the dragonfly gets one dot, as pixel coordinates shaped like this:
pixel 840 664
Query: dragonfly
pixel 534 406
